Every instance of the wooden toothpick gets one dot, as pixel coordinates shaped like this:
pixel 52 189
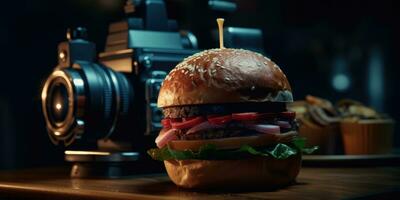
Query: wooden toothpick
pixel 220 22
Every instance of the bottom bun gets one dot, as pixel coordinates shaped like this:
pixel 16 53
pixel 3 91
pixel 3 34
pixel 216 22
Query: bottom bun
pixel 248 173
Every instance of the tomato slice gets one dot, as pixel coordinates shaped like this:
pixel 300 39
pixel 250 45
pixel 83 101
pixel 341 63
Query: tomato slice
pixel 245 116
pixel 188 123
pixel 166 123
pixel 267 116
pixel 288 114
pixel 219 120
pixel 253 116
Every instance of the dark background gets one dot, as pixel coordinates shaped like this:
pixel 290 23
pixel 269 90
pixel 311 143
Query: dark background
pixel 312 41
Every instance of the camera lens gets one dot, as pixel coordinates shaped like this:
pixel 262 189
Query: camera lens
pixel 57 105
pixel 85 101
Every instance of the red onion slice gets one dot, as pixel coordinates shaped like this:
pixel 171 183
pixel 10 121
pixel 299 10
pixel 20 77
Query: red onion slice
pixel 203 126
pixel 284 124
pixel 164 138
pixel 264 128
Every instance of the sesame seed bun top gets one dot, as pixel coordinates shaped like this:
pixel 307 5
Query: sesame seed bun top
pixel 225 75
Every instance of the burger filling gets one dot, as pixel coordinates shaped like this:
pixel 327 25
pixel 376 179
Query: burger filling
pixel 223 126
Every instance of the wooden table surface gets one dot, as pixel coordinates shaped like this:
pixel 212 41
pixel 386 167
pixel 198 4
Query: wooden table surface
pixel 313 183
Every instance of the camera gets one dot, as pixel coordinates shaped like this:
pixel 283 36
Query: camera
pixel 109 102
pixel 104 107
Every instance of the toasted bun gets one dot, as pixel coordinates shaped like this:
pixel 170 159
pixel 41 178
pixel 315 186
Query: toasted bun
pixel 224 76
pixel 255 172
pixel 234 142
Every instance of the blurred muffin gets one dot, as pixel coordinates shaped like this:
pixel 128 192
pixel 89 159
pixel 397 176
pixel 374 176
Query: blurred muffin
pixel 319 123
pixel 364 130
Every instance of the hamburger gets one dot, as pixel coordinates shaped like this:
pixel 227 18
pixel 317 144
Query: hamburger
pixel 226 123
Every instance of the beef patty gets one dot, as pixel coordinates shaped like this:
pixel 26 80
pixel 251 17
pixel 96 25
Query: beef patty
pixel 222 109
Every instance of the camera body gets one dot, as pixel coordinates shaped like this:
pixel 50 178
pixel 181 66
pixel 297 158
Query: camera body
pixel 146 56
pixel 104 107
pixel 109 103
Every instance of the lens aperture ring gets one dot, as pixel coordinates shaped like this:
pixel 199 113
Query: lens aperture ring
pixel 107 96
pixel 126 93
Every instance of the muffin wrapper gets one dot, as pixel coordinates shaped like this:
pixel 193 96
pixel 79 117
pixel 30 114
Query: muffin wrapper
pixel 367 137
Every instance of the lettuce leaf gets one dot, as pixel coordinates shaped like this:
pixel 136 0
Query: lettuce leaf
pixel 210 152
pixel 300 143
